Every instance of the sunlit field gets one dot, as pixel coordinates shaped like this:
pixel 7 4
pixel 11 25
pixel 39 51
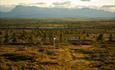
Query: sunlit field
pixel 57 44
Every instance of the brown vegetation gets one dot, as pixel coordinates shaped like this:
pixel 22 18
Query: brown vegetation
pixel 78 45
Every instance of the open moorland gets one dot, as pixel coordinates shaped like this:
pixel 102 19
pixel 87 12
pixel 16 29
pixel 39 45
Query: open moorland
pixel 57 44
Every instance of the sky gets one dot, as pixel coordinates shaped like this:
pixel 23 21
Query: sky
pixel 107 5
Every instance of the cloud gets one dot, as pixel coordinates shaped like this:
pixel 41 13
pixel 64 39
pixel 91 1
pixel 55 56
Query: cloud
pixel 108 6
pixel 6 8
pixel 62 3
pixel 38 3
pixel 85 0
pixel 66 4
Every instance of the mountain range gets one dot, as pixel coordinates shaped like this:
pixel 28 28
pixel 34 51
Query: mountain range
pixel 40 12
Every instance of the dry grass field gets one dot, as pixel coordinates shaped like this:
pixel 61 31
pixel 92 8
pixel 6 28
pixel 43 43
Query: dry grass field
pixel 57 45
pixel 71 57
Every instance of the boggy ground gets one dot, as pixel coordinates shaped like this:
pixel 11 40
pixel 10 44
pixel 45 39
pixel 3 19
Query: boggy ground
pixel 66 57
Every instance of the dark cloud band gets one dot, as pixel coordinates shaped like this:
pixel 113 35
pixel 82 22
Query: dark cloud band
pixel 62 3
pixel 108 6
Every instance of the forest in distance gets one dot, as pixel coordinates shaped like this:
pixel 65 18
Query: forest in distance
pixel 57 44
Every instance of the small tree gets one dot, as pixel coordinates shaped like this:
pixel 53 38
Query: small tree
pixel 100 38
pixel 13 38
pixel 110 37
pixel 6 38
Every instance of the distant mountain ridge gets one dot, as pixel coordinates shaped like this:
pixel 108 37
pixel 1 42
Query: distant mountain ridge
pixel 38 12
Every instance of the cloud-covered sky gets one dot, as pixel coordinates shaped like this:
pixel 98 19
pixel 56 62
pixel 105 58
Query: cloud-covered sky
pixel 108 5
